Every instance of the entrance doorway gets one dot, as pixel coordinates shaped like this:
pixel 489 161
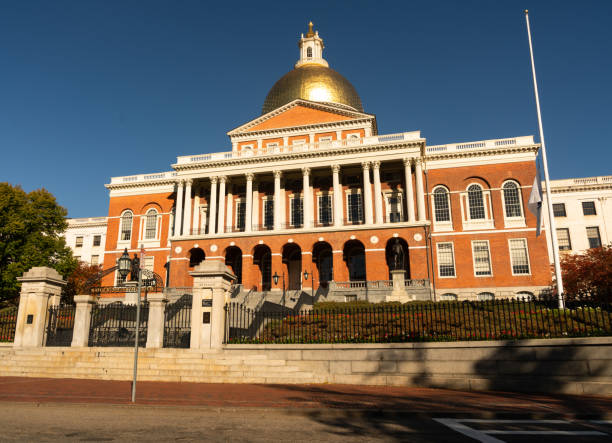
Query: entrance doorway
pixel 292 259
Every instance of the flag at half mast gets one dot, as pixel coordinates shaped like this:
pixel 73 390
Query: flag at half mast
pixel 535 200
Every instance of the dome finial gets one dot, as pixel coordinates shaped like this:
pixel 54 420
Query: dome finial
pixel 310 32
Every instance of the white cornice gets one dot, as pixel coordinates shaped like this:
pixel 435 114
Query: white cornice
pixel 300 130
pixel 482 153
pixel 306 103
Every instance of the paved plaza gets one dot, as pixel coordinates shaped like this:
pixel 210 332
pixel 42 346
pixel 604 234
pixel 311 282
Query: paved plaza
pixel 98 410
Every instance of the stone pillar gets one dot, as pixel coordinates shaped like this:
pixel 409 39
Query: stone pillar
pixel 230 206
pixel 187 215
pixel 41 288
pixel 308 215
pixel 367 194
pixel 399 286
pixel 82 319
pixel 337 189
pixel 212 206
pixel 211 283
pixel 248 211
pixel 255 217
pixel 221 224
pixel 409 190
pixel 178 220
pixel 196 211
pixel 420 194
pixel 378 203
pixel 277 199
pixel 155 325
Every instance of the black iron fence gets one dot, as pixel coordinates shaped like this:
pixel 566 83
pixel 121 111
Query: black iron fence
pixel 60 325
pixel 441 321
pixel 8 321
pixel 177 323
pixel 115 325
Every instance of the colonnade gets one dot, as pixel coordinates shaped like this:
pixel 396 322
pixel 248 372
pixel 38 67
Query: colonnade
pixel 219 212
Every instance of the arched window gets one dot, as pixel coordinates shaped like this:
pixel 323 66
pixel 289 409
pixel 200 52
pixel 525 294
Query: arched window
pixel 486 296
pixel 150 224
pixel 476 202
pixel 125 230
pixel 309 52
pixel 512 200
pixel 441 204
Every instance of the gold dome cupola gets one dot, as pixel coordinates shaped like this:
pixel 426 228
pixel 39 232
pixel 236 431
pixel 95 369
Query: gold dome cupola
pixel 312 79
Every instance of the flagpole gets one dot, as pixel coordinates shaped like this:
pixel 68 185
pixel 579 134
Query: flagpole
pixel 551 218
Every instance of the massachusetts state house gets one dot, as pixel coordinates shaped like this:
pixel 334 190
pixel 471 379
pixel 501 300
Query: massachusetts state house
pixel 312 198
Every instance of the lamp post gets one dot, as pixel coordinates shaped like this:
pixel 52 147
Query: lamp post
pixel 275 278
pixel 306 275
pixel 124 265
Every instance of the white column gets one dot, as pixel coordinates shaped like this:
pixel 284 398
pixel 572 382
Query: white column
pixel 221 215
pixel 308 216
pixel 255 218
pixel 409 191
pixel 196 210
pixel 230 206
pixel 367 193
pixel 338 200
pixel 212 206
pixel 378 203
pixel 178 216
pixel 187 215
pixel 420 194
pixel 277 199
pixel 248 216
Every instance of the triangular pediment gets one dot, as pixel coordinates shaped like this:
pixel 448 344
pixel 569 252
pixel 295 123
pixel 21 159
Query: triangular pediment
pixel 300 113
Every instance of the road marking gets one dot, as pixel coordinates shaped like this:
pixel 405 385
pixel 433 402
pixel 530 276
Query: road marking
pixel 484 435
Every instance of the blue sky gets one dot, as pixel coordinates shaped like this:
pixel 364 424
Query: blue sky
pixel 95 89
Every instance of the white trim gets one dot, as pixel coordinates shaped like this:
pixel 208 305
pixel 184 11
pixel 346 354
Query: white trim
pixel 374 250
pixel 452 256
pixel 441 226
pixel 492 231
pixel 526 252
pixel 119 251
pixel 474 259
pixel 513 222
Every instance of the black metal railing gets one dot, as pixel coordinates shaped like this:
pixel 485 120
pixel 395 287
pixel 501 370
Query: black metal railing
pixel 60 325
pixel 441 321
pixel 177 323
pixel 8 322
pixel 115 325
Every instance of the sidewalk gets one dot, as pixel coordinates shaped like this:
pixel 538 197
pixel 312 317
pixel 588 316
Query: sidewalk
pixel 415 400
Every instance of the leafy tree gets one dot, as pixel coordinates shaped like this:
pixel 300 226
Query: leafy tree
pixel 78 278
pixel 588 274
pixel 30 228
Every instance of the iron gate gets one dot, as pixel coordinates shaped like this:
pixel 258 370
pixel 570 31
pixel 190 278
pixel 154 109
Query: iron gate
pixel 60 325
pixel 177 323
pixel 8 321
pixel 115 325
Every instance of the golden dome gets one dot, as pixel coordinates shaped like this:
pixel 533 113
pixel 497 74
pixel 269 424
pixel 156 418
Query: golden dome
pixel 312 82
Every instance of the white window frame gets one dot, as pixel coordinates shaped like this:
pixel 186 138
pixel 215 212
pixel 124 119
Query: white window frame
pixel 452 256
pixel 239 201
pixel 510 240
pixel 474 259
pixel 76 241
pixel 348 212
pixel 150 242
pixel 589 200
pixel 291 197
pixel 569 239
pixel 121 244
pixel 476 224
pixel 330 195
pixel 513 222
pixel 91 260
pixel 265 201
pixel 442 226
pixel 598 235
pixel 399 195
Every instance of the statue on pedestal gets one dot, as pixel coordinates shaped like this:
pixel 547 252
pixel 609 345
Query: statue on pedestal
pixel 397 255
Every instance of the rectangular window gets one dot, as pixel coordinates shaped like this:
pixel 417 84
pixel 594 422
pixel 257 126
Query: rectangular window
pixel 240 215
pixel 519 257
pixel 297 211
pixel 79 242
pixel 77 258
pixel 394 208
pixel 588 208
pixel 269 214
pixel 482 258
pixel 593 236
pixel 271 145
pixel 354 208
pixel 97 240
pixel 148 263
pixel 559 210
pixel 120 280
pixel 325 209
pixel 95 259
pixel 446 260
pixel 563 237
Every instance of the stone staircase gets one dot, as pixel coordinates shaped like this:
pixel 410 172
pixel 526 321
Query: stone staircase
pixel 172 365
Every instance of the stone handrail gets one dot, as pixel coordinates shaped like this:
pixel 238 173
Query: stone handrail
pixel 479 145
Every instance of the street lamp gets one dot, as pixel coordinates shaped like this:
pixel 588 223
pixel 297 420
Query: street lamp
pixel 124 266
pixel 306 275
pixel 275 277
